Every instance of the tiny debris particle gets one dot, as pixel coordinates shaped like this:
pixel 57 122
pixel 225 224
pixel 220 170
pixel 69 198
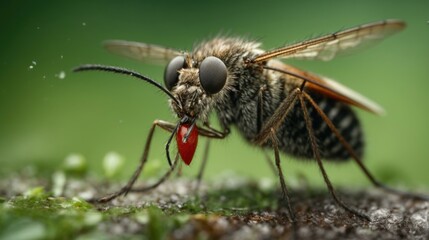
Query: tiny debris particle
pixel 420 223
pixel 392 222
pixel 182 190
pixel 174 198
pixel 379 214
pixel 363 231
pixel 329 221
pixel 89 194
pixel 304 232
pixel 221 223
pixel 245 232
pixel 264 229
pixel 84 24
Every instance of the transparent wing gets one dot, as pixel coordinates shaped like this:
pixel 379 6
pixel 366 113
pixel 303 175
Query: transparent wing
pixel 141 51
pixel 327 87
pixel 327 47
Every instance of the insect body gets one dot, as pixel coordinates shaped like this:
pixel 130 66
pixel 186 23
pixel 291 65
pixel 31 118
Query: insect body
pixel 273 105
pixel 252 94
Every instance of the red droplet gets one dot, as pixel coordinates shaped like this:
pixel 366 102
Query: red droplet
pixel 187 149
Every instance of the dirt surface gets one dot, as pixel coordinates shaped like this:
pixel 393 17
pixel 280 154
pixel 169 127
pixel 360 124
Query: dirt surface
pixel 234 210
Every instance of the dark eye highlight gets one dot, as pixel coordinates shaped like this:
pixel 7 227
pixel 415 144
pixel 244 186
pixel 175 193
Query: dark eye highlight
pixel 171 74
pixel 213 73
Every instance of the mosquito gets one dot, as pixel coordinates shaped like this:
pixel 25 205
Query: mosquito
pixel 274 106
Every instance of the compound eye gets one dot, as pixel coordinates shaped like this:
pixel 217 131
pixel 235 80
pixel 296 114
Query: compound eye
pixel 171 72
pixel 213 73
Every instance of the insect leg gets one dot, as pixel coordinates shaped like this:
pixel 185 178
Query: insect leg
pixel 316 153
pixel 359 162
pixel 259 121
pixel 125 189
pixel 203 165
pixel 213 133
pixel 285 193
pixel 277 118
pixel 160 181
pixel 270 162
pixel 167 146
pixel 260 110
pixel 268 132
pixel 210 133
pixel 179 171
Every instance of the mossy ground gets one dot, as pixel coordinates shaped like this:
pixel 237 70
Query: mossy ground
pixel 232 208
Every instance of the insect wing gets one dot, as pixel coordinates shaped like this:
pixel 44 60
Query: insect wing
pixel 141 51
pixel 327 47
pixel 330 88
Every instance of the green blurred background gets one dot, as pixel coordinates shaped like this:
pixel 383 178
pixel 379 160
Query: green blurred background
pixel 45 116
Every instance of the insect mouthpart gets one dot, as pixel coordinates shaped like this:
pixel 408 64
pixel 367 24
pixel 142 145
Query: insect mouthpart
pixel 187 139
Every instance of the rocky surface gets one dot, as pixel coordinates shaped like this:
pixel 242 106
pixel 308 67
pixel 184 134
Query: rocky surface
pixel 238 210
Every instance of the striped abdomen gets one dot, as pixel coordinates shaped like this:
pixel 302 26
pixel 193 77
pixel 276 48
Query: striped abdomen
pixel 293 134
pixel 255 96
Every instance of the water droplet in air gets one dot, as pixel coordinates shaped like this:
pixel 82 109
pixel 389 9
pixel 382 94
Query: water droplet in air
pixel 61 75
pixel 33 63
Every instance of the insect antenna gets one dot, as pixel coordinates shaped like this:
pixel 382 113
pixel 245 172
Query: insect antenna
pixel 97 67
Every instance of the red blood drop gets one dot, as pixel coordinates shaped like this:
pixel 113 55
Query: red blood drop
pixel 187 149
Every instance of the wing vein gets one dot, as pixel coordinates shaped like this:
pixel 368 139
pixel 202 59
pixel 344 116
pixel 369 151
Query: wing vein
pixel 328 46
